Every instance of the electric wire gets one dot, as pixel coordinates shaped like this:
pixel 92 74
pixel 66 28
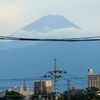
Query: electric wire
pixel 95 38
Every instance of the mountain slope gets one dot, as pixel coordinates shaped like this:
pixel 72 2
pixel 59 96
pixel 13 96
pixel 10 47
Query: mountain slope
pixel 50 22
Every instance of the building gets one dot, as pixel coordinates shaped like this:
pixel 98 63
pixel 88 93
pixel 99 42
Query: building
pixel 43 87
pixel 43 90
pixel 93 79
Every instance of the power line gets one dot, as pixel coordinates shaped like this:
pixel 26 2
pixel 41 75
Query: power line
pixel 21 79
pixel 95 38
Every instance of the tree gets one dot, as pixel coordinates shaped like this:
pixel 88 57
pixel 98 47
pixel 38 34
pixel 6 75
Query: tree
pixel 91 93
pixel 13 95
pixel 74 95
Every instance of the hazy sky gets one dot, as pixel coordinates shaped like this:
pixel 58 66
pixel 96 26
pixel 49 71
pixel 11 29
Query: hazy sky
pixel 15 14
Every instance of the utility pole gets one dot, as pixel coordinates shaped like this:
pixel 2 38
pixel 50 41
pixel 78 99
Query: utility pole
pixel 68 87
pixel 24 85
pixel 55 80
pixel 55 75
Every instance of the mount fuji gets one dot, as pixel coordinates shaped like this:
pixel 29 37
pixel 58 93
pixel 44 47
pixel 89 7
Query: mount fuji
pixel 51 26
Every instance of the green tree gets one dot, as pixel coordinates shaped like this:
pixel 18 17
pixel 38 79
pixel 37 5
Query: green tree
pixel 13 95
pixel 91 93
pixel 72 95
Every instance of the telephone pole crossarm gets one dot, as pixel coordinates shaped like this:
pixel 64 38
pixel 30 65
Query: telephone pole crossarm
pixel 55 74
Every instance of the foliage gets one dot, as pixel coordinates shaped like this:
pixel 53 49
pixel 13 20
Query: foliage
pixel 82 94
pixel 13 95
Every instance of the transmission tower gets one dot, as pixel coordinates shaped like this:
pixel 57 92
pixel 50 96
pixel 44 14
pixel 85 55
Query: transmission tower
pixel 56 74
